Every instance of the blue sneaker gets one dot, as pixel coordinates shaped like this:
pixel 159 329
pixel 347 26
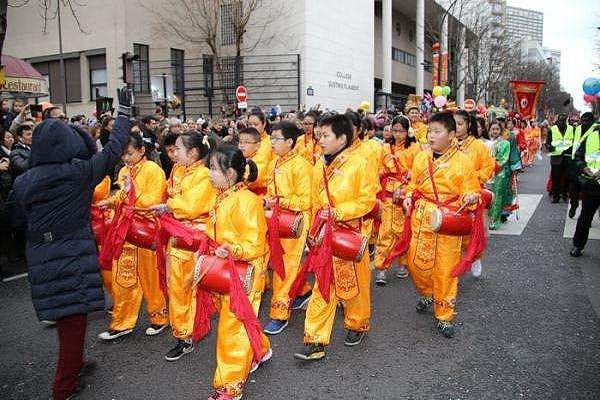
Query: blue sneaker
pixel 301 301
pixel 275 326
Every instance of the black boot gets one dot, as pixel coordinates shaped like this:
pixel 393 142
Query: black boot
pixel 576 252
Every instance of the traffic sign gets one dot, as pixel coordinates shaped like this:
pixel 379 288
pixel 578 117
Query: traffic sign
pixel 469 105
pixel 241 94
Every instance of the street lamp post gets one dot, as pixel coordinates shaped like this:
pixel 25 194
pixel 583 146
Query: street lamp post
pixel 62 58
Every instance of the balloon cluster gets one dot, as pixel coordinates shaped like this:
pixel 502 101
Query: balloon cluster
pixel 591 88
pixel 440 94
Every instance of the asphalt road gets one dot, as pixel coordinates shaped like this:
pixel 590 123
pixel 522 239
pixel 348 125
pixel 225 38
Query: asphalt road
pixel 526 329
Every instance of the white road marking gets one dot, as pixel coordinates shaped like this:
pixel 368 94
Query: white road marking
pixel 570 225
pixel 527 205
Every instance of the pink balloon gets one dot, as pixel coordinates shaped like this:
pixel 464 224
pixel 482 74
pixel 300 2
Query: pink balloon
pixel 439 101
pixel 588 98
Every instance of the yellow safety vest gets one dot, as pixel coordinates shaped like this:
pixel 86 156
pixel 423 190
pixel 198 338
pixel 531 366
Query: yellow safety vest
pixel 592 151
pixel 578 138
pixel 559 142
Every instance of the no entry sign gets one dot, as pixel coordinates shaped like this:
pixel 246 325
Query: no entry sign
pixel 241 94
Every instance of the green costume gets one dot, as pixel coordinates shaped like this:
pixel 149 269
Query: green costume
pixel 501 150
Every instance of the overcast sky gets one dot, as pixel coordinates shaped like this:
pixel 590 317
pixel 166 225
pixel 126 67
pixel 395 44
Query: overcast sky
pixel 570 26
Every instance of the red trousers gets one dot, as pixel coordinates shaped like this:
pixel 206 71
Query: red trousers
pixel 71 340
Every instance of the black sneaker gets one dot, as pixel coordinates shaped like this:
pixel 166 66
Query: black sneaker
pixel 112 334
pixel 183 347
pixel 423 304
pixel 555 200
pixel 311 352
pixel 446 328
pixel 354 338
pixel 576 252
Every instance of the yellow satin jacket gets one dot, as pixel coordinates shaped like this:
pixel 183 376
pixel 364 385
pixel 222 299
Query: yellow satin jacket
pixel 453 173
pixel 149 182
pixel 481 158
pixel 238 219
pixel 307 147
pixel 292 182
pixel 191 194
pixel 263 158
pixel 351 184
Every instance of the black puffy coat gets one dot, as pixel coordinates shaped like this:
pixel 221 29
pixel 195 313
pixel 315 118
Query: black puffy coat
pixel 19 159
pixel 56 194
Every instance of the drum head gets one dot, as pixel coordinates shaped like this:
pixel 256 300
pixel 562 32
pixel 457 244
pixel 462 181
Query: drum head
pixel 435 220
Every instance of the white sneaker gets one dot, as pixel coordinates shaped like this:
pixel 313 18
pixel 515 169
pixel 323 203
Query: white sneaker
pixel 265 358
pixel 402 272
pixel 380 279
pixel 48 323
pixel 112 335
pixel 155 329
pixel 476 268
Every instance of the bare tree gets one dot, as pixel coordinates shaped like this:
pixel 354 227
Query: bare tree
pixel 47 10
pixel 204 23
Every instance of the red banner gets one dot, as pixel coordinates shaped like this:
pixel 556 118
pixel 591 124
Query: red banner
pixel 444 69
pixel 436 67
pixel 526 94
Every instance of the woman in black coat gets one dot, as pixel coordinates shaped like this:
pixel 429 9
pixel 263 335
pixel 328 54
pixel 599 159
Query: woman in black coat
pixel 56 194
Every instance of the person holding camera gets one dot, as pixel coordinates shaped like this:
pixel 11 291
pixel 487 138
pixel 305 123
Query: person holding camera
pixel 62 260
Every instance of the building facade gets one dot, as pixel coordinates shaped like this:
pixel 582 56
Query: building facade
pixel 294 54
pixel 522 24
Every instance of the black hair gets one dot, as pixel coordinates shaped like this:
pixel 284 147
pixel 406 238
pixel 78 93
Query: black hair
pixel 196 141
pixel 405 122
pixel 23 127
pixel 367 124
pixel 355 118
pixel 484 130
pixel 340 125
pixel 445 118
pixel 169 139
pixel 262 118
pixel 149 118
pixel 289 130
pixel 471 122
pixel 228 156
pixel 313 114
pixel 138 142
pixel 2 135
pixel 252 132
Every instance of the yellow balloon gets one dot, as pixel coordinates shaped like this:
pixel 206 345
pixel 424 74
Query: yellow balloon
pixel 437 91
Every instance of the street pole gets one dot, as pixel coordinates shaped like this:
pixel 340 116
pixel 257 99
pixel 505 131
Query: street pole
pixel 62 58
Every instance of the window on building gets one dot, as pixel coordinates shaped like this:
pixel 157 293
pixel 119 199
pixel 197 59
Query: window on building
pixel 177 70
pixel 98 76
pixel 56 87
pixel 404 57
pixel 141 69
pixel 230 12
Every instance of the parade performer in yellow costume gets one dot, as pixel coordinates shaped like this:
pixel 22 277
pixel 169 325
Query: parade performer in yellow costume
pixel 481 158
pixel 419 128
pixel 343 192
pixel 533 143
pixel 291 186
pixel 134 273
pixel 440 177
pixel 238 226
pixel 394 175
pixel 101 192
pixel 258 148
pixel 191 197
pixel 307 144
